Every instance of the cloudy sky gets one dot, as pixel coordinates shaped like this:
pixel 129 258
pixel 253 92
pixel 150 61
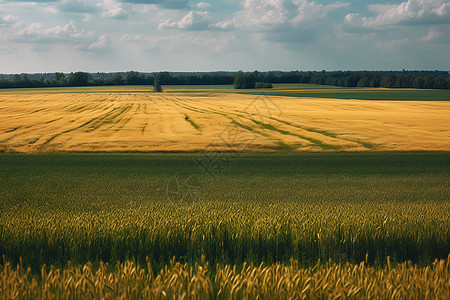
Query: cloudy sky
pixel 188 35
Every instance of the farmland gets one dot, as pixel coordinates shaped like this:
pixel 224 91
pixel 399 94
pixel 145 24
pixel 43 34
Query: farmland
pixel 347 207
pixel 215 118
pixel 113 207
pixel 234 194
pixel 278 281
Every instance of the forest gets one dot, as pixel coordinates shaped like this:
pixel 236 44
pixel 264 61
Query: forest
pixel 256 79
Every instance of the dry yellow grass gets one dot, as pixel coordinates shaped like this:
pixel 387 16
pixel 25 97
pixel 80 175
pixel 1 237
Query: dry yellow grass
pixel 119 119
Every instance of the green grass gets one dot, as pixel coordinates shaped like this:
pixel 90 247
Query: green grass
pixel 296 86
pixel 189 88
pixel 319 91
pixel 188 119
pixel 285 90
pixel 325 91
pixel 249 207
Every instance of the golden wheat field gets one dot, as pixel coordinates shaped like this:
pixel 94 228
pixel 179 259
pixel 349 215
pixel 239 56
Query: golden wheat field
pixel 180 281
pixel 129 119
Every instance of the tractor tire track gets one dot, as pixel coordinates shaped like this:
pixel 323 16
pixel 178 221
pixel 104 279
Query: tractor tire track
pixel 75 128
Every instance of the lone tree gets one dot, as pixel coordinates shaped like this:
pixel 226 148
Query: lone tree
pixel 157 83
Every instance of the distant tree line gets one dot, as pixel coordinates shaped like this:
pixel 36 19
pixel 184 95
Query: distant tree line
pixel 74 79
pixel 404 79
pixel 387 79
pixel 102 79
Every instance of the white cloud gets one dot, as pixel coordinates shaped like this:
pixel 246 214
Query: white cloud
pixel 117 13
pixel 225 25
pixel 170 4
pixel 203 5
pixel 197 21
pixel 438 34
pixel 7 20
pixel 269 14
pixel 309 11
pixel 36 33
pixel 194 20
pixel 101 45
pixel 405 13
pixel 305 34
pixel 184 41
pixel 132 38
pixel 113 9
pixel 293 23
pixel 266 13
pixel 36 1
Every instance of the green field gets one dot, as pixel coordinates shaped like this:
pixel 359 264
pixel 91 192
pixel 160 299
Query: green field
pixel 300 90
pixel 285 90
pixel 90 207
pixel 160 220
pixel 321 91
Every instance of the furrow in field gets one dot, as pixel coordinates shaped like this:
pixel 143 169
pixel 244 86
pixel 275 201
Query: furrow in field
pixel 88 105
pixel 276 139
pixel 182 113
pixel 143 108
pixel 106 118
pixel 190 121
pixel 209 108
pixel 166 123
pixel 244 140
pixel 38 127
pixel 312 135
pixel 102 106
pixel 27 114
pixel 238 120
pixel 29 129
pixel 21 132
pixel 144 127
pixel 198 110
pixel 149 108
pixel 80 108
pixel 251 135
pixel 84 124
pixel 13 129
pixel 66 107
pixel 54 120
pixel 68 130
pixel 326 133
pixel 189 107
pixel 124 119
pixel 317 142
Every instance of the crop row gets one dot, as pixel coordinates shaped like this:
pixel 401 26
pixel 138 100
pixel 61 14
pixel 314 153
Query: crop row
pixel 229 232
pixel 182 281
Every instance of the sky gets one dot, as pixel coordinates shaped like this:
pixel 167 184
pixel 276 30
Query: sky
pixel 223 35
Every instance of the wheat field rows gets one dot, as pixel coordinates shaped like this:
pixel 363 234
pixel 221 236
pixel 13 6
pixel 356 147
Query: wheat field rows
pixel 275 195
pixel 180 281
pixel 129 120
pixel 56 208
